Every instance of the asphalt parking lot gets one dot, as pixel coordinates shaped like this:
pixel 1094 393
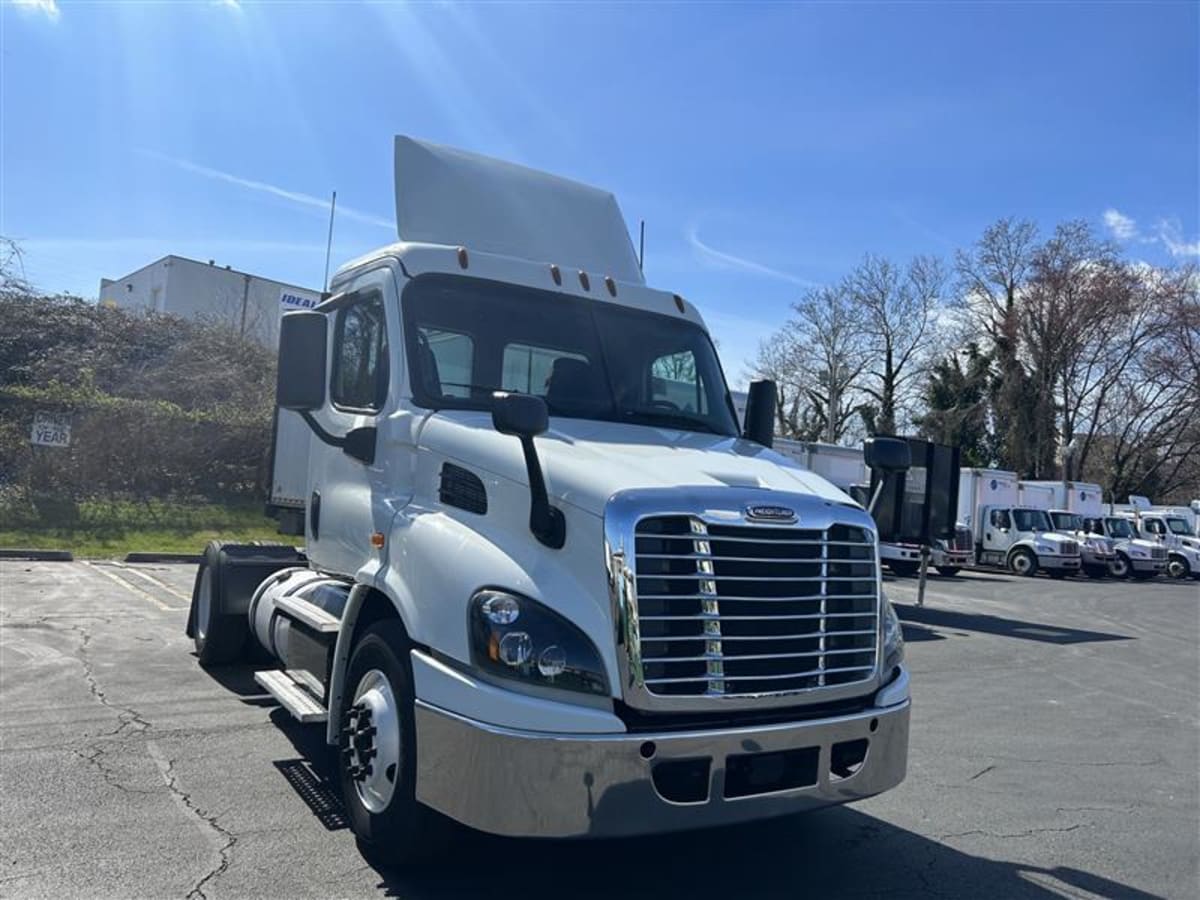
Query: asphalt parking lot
pixel 1054 753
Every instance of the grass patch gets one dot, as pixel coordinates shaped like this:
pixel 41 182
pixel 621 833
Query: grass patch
pixel 106 528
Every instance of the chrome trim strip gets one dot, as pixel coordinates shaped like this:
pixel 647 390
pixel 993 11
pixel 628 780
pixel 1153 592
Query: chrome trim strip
pixel 717 506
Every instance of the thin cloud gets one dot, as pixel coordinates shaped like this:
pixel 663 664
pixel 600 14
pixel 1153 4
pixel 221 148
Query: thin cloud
pixel 1171 235
pixel 721 259
pixel 1119 225
pixel 48 7
pixel 263 187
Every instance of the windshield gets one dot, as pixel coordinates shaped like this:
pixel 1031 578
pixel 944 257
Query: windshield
pixel 1031 520
pixel 1179 526
pixel 1118 528
pixel 588 359
pixel 1065 521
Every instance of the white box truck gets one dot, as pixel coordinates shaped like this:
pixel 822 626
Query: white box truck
pixel 1069 505
pixel 1008 534
pixel 550 588
pixel 1171 530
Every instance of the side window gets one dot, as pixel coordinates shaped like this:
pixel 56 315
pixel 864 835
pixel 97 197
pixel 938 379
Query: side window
pixel 527 368
pixel 675 382
pixel 1154 526
pixel 999 518
pixel 360 366
pixel 446 361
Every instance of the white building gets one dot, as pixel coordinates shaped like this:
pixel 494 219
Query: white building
pixel 193 290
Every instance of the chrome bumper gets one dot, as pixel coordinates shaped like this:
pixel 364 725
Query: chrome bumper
pixel 524 783
pixel 1092 558
pixel 1054 561
pixel 1147 565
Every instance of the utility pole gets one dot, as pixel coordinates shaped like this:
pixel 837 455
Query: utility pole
pixel 329 240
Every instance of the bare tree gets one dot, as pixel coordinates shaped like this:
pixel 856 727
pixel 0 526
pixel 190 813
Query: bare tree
pixel 898 309
pixel 13 282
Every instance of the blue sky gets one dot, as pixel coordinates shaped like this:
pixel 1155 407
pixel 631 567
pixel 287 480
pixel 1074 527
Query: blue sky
pixel 768 147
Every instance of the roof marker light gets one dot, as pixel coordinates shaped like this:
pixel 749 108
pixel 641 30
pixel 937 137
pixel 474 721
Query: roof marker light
pixel 611 285
pixel 462 257
pixel 555 274
pixel 583 280
pixel 679 303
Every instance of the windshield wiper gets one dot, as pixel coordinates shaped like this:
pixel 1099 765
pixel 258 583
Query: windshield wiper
pixel 669 420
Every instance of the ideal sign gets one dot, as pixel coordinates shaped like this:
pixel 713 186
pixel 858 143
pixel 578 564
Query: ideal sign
pixel 290 299
pixel 50 431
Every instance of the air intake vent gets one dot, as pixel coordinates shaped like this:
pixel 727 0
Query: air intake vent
pixel 462 488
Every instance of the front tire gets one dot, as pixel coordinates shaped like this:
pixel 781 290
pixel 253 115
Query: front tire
pixel 1121 566
pixel 377 753
pixel 1023 562
pixel 949 571
pixel 1178 567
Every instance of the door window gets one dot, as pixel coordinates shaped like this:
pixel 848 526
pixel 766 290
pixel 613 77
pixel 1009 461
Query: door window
pixel 360 368
pixel 999 518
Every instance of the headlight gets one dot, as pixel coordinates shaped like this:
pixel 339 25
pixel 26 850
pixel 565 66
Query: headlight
pixel 893 638
pixel 1136 551
pixel 518 638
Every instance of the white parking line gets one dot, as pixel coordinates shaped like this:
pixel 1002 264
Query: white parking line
pixel 162 584
pixel 136 591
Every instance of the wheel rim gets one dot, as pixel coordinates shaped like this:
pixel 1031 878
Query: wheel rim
pixel 1021 564
pixel 203 602
pixel 1176 568
pixel 372 750
pixel 1120 567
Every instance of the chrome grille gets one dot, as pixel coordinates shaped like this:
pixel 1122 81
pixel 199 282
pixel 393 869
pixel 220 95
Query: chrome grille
pixel 1158 552
pixel 729 610
pixel 1070 548
pixel 962 539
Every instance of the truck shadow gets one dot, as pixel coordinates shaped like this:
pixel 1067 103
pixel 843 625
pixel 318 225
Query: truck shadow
pixel 835 852
pixel 920 623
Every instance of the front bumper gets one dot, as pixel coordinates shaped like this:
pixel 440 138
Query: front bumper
pixel 1093 558
pixel 1141 564
pixel 946 558
pixel 534 784
pixel 1055 561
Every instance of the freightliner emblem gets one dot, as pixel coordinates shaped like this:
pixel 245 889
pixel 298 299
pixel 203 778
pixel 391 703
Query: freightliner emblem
pixel 768 513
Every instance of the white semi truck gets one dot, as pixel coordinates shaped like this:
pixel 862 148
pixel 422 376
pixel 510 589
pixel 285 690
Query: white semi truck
pixel 1011 535
pixel 1068 505
pixel 1172 531
pixel 550 587
pixel 846 468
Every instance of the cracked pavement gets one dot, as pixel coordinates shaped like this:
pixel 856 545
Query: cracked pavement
pixel 1055 752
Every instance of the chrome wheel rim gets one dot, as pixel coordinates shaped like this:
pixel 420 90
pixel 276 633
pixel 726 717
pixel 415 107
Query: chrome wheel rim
pixel 1021 564
pixel 372 748
pixel 1120 567
pixel 1176 568
pixel 203 602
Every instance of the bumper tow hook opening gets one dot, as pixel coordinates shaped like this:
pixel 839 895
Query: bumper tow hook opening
pixel 682 780
pixel 847 758
pixel 648 749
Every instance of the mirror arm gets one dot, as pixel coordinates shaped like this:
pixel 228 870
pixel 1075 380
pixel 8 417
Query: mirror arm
pixel 545 521
pixel 322 435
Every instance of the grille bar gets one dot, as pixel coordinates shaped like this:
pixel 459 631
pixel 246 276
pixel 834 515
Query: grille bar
pixel 772 578
pixel 749 540
pixel 791 675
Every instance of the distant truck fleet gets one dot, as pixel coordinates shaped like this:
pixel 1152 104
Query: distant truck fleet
pixel 1055 527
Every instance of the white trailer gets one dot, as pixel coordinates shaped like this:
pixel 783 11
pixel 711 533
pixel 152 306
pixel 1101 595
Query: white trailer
pixel 1010 534
pixel 489 416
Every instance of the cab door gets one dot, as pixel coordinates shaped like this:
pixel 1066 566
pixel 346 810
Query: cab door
pixel 355 486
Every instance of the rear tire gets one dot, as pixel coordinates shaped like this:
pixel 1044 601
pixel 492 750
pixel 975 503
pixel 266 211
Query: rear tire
pixel 219 639
pixel 1023 562
pixel 949 571
pixel 377 747
pixel 903 569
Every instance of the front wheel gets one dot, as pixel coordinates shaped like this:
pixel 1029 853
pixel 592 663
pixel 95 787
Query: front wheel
pixel 949 571
pixel 1120 567
pixel 1178 567
pixel 1023 562
pixel 377 753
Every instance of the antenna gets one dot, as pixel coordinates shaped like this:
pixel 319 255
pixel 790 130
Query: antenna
pixel 642 246
pixel 329 240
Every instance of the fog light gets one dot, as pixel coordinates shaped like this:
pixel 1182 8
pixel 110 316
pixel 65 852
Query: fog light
pixel 515 648
pixel 501 609
pixel 553 661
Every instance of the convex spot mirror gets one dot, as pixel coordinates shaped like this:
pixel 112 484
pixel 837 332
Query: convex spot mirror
pixel 523 415
pixel 303 339
pixel 886 454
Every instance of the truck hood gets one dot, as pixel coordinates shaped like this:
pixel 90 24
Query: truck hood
pixel 585 462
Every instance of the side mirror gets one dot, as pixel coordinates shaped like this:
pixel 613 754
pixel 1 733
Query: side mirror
pixel 887 454
pixel 521 415
pixel 303 339
pixel 760 413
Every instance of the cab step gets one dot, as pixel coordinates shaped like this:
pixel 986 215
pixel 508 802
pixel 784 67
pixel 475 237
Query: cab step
pixel 292 695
